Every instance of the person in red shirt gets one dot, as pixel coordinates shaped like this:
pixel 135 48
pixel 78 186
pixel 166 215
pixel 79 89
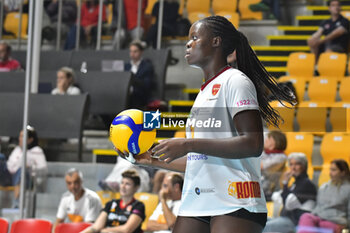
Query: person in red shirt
pixel 131 8
pixel 88 24
pixel 6 62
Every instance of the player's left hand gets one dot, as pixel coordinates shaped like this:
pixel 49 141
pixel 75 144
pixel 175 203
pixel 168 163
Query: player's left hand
pixel 170 149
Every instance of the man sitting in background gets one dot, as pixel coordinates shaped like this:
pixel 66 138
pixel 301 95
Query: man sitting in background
pixel 335 31
pixel 78 204
pixel 164 216
pixel 6 62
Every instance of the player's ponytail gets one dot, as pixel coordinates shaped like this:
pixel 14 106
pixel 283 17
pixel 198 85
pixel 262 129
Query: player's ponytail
pixel 249 64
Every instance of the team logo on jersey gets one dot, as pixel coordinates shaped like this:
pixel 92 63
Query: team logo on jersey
pixel 129 208
pixel 242 190
pixel 215 89
pixel 114 205
pixel 199 191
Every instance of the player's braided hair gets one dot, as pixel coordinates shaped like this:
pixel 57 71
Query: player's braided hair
pixel 249 64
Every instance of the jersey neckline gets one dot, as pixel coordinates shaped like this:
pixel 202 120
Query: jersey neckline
pixel 211 79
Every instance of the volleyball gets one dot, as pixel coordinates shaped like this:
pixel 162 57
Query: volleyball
pixel 128 134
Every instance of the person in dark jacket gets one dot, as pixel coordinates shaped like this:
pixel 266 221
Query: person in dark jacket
pixel 69 16
pixel 170 16
pixel 143 75
pixel 299 198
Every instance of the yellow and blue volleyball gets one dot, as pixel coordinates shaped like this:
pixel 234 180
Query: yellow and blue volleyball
pixel 128 134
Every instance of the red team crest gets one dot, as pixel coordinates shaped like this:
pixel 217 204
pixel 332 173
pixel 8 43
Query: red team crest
pixel 215 89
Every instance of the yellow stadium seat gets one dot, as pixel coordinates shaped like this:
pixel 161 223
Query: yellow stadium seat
pixel 332 65
pixel 344 89
pixel 346 14
pixel 311 117
pixel 105 196
pixel 233 17
pixel 182 6
pixel 340 117
pixel 224 5
pixel 246 13
pixel 11 23
pixel 301 65
pixel 150 201
pixel 287 113
pixel 322 90
pixel 198 6
pixel 150 4
pixel 180 134
pixel 300 142
pixel 298 83
pixel 270 208
pixel 194 16
pixel 333 146
pixel 337 117
pixel 110 14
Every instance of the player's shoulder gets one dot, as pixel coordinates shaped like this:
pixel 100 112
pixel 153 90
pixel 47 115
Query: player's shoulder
pixel 238 78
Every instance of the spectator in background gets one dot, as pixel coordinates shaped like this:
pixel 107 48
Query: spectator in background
pixel 69 16
pixel 297 199
pixel 131 11
pixel 273 161
pixel 143 76
pixel 335 31
pixel 78 204
pixel 65 83
pixel 88 24
pixel 36 163
pixel 272 6
pixel 114 179
pixel 7 63
pixel 331 213
pixel 12 5
pixel 122 215
pixel 164 216
pixel 170 16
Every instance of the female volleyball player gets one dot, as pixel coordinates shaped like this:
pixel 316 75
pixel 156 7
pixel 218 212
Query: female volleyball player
pixel 221 192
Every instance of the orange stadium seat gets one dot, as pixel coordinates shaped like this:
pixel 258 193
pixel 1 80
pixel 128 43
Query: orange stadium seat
pixel 332 65
pixel 72 227
pixel 322 90
pixel 31 225
pixel 306 118
pixel 333 146
pixel 233 17
pixel 4 225
pixel 344 89
pixel 301 65
pixel 224 5
pixel 298 83
pixel 246 13
pixel 287 113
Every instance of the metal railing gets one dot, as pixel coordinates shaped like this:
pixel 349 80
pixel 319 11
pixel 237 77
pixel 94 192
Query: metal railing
pixel 78 23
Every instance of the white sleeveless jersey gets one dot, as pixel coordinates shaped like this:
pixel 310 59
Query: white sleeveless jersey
pixel 216 186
